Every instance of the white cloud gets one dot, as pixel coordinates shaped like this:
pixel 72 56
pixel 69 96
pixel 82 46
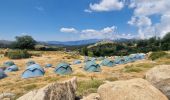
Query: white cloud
pixel 24 34
pixel 106 5
pixel 88 11
pixel 68 30
pixel 107 33
pixel 140 21
pixel 143 10
pixel 39 8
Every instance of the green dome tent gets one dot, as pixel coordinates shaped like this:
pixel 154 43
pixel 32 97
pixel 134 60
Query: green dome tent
pixel 91 66
pixel 63 69
pixel 100 58
pixel 107 62
pixel 8 63
pixel 77 62
pixel 30 62
pixel 48 65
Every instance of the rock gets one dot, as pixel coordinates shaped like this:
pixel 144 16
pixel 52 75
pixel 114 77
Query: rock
pixel 55 91
pixel 134 89
pixel 159 76
pixel 92 96
pixel 7 96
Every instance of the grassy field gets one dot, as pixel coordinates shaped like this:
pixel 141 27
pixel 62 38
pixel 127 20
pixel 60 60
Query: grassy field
pixel 87 82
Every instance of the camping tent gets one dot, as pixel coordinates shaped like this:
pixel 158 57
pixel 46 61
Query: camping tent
pixel 48 65
pixel 107 62
pixel 8 63
pixel 86 59
pixel 2 74
pixel 33 70
pixel 11 68
pixel 100 58
pixel 91 66
pixel 30 62
pixel 63 69
pixel 77 62
pixel 117 61
pixel 140 56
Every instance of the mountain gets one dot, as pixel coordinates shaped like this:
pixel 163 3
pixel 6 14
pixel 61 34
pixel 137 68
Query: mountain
pixel 73 43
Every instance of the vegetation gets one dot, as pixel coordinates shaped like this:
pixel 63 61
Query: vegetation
pixel 87 87
pixel 157 55
pixel 132 69
pixel 128 47
pixel 17 54
pixel 24 42
pixel 138 67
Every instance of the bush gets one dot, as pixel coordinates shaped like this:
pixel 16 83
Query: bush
pixel 132 68
pixel 87 87
pixel 17 54
pixel 157 55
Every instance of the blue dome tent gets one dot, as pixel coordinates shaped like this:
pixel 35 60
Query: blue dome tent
pixel 91 66
pixel 117 61
pixel 33 70
pixel 107 62
pixel 48 65
pixel 77 62
pixel 11 68
pixel 8 63
pixel 30 62
pixel 2 74
pixel 63 69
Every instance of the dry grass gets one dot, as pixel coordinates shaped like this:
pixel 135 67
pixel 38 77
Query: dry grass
pixel 87 82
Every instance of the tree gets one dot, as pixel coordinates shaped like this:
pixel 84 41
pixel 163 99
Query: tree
pixel 24 42
pixel 166 42
pixel 84 51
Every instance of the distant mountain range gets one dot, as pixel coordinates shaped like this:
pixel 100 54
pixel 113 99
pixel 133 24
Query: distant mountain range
pixel 84 42
pixel 74 43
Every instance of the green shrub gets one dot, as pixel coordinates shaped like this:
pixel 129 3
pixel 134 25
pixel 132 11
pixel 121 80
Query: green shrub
pixel 17 54
pixel 37 54
pixel 132 68
pixel 87 87
pixel 30 87
pixel 157 55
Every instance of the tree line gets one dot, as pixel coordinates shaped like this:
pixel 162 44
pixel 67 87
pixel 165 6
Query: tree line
pixel 128 47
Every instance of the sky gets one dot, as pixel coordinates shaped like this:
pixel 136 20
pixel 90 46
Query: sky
pixel 70 20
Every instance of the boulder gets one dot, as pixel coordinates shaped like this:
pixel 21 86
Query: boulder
pixel 54 91
pixel 7 96
pixel 134 89
pixel 159 76
pixel 92 96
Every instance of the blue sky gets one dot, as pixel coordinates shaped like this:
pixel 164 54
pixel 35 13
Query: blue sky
pixel 68 20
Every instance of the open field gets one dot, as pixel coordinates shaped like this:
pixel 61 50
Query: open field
pixel 88 82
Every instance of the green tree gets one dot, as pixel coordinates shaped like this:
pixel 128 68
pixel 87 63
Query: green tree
pixel 166 42
pixel 84 51
pixel 24 42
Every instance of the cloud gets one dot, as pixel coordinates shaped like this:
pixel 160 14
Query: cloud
pixel 88 11
pixel 105 5
pixel 105 33
pixel 68 30
pixel 144 10
pixel 24 34
pixel 39 8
